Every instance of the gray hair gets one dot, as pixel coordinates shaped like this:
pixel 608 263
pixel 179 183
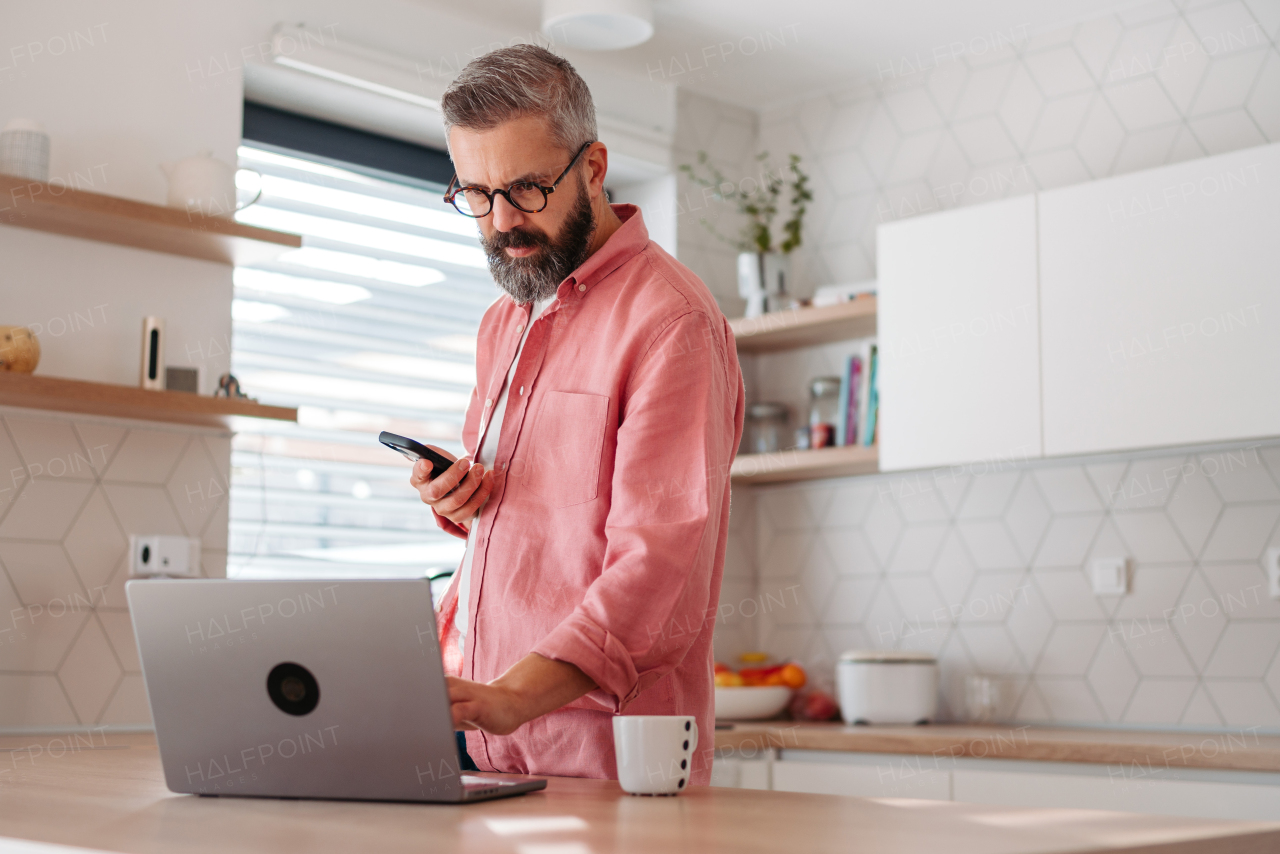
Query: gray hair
pixel 524 80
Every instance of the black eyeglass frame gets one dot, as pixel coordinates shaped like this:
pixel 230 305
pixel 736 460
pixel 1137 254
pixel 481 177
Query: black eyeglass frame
pixel 451 193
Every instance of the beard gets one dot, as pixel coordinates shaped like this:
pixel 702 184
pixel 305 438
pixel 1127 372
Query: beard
pixel 538 276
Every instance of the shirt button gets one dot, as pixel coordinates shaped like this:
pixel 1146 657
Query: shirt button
pixel 520 328
pixel 582 287
pixel 521 391
pixel 488 401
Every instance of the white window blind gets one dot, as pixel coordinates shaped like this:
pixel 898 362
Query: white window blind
pixel 369 327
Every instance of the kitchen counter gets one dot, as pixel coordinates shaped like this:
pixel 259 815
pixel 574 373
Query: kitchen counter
pixel 1241 750
pixel 112 796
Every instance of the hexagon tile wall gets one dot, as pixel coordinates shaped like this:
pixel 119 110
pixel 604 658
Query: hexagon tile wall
pixel 71 492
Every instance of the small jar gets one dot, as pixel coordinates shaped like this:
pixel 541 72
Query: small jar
pixel 824 409
pixel 766 427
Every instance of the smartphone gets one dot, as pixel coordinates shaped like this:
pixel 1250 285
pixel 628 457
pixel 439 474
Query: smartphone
pixel 416 451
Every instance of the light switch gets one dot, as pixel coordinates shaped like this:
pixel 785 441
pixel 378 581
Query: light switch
pixel 1273 572
pixel 1111 576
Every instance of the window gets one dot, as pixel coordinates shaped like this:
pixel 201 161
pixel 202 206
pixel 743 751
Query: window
pixel 370 326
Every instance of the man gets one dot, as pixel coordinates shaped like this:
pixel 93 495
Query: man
pixel 608 407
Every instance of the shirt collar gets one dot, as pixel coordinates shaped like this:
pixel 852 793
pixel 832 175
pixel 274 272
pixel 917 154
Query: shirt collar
pixel 621 247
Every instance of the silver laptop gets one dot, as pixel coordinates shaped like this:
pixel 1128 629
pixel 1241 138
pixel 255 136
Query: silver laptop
pixel 302 689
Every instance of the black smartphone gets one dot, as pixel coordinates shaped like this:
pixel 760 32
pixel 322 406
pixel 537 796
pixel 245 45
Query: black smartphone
pixel 416 451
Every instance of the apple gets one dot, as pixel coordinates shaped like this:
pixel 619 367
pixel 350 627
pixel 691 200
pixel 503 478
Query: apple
pixel 814 705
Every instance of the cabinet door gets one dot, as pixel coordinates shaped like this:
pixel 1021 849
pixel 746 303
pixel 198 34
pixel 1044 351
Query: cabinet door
pixel 1160 299
pixel 959 371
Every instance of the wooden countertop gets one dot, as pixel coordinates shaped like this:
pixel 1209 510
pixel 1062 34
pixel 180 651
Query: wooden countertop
pixel 113 797
pixel 1241 750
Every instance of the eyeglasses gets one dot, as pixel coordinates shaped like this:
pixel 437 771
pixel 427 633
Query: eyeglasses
pixel 526 196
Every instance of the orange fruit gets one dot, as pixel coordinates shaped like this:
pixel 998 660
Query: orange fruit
pixel 793 676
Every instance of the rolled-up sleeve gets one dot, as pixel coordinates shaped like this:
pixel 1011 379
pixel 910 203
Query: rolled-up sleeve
pixel 644 611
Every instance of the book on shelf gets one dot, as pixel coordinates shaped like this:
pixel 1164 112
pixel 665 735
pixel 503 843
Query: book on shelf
pixel 867 431
pixel 855 418
pixel 842 405
pixel 849 388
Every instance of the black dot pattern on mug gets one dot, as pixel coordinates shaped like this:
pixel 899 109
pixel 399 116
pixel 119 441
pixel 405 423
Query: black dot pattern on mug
pixel 686 744
pixel 684 763
pixel 681 782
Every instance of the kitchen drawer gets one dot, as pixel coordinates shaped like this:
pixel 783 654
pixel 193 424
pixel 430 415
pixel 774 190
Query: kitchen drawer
pixel 1112 788
pixel 732 773
pixel 862 775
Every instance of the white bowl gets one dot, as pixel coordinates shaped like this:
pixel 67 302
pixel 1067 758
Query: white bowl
pixel 751 703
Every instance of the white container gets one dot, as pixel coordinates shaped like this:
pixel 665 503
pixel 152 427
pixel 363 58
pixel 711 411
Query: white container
pixel 881 686
pixel 202 185
pixel 24 150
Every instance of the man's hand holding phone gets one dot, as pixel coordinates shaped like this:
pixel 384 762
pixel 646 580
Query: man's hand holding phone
pixel 458 493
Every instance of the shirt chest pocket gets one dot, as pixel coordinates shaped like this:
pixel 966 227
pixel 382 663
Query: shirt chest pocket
pixel 560 460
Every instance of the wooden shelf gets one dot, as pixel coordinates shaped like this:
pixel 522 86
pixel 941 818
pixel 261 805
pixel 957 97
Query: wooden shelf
pixel 805 465
pixel 109 219
pixel 121 401
pixel 804 327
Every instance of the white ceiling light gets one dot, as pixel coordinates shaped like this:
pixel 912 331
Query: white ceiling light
pixel 598 24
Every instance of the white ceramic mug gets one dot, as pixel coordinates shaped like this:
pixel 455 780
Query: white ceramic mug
pixel 654 752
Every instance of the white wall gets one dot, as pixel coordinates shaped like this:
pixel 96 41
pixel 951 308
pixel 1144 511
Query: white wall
pixel 1158 83
pixel 151 81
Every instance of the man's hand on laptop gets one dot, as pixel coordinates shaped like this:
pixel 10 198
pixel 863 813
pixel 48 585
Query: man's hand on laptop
pixel 461 504
pixel 532 687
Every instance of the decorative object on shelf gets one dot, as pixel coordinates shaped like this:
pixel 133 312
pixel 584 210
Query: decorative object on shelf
pixel 229 386
pixel 182 379
pixel 24 150
pixel 152 369
pixel 836 294
pixel 19 350
pixel 766 427
pixel 762 282
pixel 824 411
pixel 201 184
pixel 762 266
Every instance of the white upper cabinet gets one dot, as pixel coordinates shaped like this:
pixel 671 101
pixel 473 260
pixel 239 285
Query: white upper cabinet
pixel 959 371
pixel 1160 299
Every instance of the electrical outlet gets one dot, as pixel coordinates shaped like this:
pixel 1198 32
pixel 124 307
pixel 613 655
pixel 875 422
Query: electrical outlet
pixel 149 556
pixel 1111 576
pixel 1273 572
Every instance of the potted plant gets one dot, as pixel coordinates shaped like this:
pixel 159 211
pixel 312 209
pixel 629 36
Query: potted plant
pixel 762 266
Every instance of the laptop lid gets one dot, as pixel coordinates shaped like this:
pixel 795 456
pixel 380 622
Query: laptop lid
pixel 308 689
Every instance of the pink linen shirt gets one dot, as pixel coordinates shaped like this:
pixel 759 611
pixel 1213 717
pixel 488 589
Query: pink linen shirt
pixel 603 543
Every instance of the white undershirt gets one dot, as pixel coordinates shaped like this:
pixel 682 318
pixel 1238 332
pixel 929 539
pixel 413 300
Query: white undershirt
pixel 461 619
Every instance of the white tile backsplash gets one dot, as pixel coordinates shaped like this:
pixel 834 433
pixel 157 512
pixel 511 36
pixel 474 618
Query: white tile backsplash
pixel 67 652
pixel 995 579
